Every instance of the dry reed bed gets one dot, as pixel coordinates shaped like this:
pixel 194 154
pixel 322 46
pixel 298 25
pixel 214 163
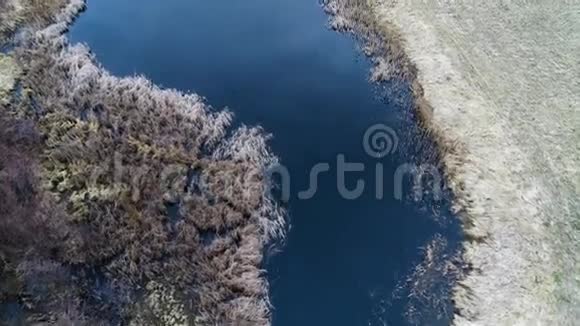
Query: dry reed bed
pixel 495 83
pixel 114 154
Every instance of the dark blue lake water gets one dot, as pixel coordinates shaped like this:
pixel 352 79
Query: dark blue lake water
pixel 275 63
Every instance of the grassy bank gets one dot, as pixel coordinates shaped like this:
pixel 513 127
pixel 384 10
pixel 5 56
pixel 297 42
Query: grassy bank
pixel 135 205
pixel 495 83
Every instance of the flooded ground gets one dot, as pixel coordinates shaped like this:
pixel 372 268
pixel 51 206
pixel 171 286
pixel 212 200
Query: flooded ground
pixel 275 64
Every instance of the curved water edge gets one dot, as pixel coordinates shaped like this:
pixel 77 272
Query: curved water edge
pixel 519 216
pixel 107 174
pixel 383 300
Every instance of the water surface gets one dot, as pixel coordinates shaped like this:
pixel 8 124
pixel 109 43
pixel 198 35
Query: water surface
pixel 274 63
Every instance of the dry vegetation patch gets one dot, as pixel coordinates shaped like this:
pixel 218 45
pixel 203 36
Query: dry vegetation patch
pixel 496 85
pixel 149 207
pixel 9 72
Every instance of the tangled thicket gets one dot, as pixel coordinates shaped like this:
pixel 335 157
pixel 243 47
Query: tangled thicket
pixel 31 13
pixel 130 185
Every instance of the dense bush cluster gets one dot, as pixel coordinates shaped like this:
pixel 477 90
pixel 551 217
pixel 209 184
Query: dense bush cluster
pixel 123 185
pixel 15 14
pixel 20 224
pixel 7 21
pixel 30 233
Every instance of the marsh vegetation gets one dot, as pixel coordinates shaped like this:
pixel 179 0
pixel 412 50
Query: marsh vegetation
pixel 92 166
pixel 495 81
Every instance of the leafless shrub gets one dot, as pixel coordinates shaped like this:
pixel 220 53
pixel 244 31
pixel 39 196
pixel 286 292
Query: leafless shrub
pixel 39 13
pixel 34 14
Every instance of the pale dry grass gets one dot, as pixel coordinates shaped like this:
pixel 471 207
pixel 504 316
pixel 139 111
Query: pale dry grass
pixel 497 83
pixel 9 72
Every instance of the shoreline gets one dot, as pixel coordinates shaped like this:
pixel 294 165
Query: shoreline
pixel 522 235
pixel 521 241
pixel 113 225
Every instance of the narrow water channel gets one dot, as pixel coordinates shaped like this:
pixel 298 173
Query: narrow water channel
pixel 276 64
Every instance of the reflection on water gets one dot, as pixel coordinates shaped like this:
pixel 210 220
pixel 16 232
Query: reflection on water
pixel 274 63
